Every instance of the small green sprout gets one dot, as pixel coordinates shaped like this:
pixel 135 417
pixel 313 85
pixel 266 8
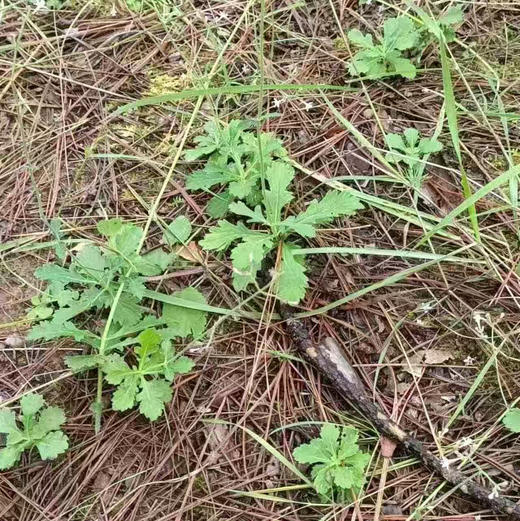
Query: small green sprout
pixel 386 57
pixel 412 150
pixel 338 462
pixel 37 426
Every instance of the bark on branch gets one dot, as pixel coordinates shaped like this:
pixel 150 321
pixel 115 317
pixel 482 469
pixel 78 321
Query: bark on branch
pixel 330 360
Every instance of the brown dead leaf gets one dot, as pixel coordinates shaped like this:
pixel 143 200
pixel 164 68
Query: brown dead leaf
pixel 436 356
pixel 191 252
pixel 414 364
pixel 425 357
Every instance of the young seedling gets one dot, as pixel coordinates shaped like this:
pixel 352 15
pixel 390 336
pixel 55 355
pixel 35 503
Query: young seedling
pixel 81 295
pixel 442 27
pixel 412 150
pixel 386 57
pixel 235 159
pixel 337 462
pixel 92 278
pixel 147 382
pixel 512 419
pixel 272 231
pixel 37 426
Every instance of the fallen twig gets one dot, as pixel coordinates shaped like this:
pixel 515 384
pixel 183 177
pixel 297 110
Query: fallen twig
pixel 330 360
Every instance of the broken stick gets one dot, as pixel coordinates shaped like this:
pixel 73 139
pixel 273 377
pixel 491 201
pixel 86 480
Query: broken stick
pixel 330 360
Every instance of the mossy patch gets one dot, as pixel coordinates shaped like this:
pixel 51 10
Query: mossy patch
pixel 161 83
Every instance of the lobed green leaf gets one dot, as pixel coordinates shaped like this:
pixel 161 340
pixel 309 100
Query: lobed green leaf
pixel 336 457
pixel 333 204
pixel 185 321
pixel 178 231
pixel 292 281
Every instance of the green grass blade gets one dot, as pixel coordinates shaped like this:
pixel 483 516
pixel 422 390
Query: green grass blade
pixel 471 391
pixel 268 496
pixel 513 194
pixel 227 89
pixel 479 194
pixel 450 105
pixel 190 304
pixel 451 116
pixel 269 448
pixel 31 244
pixel 377 285
pixel 126 157
pixel 406 213
pixel 386 253
pixel 363 142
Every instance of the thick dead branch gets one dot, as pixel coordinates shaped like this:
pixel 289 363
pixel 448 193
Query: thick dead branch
pixel 330 360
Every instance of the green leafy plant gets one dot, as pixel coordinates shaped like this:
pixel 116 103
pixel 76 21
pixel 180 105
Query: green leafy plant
pixel 107 279
pixel 145 382
pixel 92 278
pixel 36 427
pixel 385 57
pixel 235 159
pixel 512 419
pixel 336 459
pixel 272 231
pixel 446 24
pixel 411 149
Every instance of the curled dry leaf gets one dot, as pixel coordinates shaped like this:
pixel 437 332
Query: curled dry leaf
pixel 191 252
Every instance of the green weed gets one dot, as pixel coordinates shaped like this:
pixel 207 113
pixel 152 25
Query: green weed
pixel 36 427
pixel 411 149
pixel 337 462
pixel 272 231
pixel 110 278
pixel 386 56
pixel 400 35
pixel 148 381
pixel 235 159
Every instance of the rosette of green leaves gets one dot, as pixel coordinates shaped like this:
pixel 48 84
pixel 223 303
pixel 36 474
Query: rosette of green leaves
pixel 235 159
pixel 36 427
pixel 268 229
pixel 336 459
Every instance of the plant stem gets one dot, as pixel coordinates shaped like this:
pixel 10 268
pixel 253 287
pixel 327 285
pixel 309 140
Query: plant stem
pixel 98 407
